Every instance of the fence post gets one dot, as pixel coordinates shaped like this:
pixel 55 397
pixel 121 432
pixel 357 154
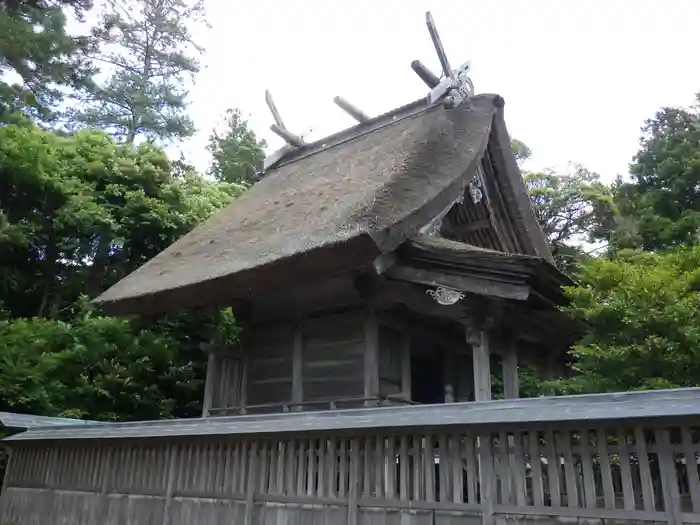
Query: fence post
pixel 170 484
pixel 253 467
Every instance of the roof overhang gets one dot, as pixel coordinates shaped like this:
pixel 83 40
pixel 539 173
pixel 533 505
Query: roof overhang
pixel 332 207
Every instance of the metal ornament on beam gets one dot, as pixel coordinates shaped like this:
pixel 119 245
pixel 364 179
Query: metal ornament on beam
pixel 445 296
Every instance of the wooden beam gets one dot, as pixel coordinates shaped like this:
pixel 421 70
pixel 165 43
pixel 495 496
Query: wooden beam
pixel 479 341
pixel 351 109
pixel 427 76
pixel 463 283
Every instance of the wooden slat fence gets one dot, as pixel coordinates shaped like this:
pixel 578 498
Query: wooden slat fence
pixel 437 477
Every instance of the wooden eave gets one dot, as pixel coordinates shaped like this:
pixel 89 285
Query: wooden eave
pixel 440 262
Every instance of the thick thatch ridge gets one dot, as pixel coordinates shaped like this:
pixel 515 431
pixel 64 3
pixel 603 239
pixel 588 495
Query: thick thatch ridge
pixel 329 209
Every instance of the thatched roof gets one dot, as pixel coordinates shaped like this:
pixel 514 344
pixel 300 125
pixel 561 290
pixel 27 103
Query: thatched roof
pixel 335 205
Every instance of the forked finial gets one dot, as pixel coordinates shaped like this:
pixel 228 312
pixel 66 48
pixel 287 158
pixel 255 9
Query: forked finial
pixel 442 56
pixel 278 127
pixel 456 86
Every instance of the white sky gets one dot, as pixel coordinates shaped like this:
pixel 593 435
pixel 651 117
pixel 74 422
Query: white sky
pixel 578 78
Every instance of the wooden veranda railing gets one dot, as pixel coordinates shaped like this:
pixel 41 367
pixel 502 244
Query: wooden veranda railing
pixel 633 469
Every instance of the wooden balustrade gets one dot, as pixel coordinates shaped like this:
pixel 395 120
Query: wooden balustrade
pixel 632 472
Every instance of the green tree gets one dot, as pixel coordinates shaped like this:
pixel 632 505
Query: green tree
pixel 105 368
pixel 237 154
pixel 148 55
pixel 660 206
pixel 642 311
pixel 520 150
pixel 39 60
pixel 571 209
pixel 79 212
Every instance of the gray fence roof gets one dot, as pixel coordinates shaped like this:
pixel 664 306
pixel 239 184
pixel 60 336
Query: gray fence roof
pixel 23 421
pixel 565 409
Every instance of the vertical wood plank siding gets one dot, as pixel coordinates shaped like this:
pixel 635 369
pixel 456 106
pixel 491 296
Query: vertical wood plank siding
pixel 631 474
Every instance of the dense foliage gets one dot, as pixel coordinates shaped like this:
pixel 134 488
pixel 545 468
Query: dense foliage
pixel 79 210
pixel 638 299
pixel 77 213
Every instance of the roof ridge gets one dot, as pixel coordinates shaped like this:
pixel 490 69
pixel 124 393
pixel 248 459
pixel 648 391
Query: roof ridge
pixel 360 129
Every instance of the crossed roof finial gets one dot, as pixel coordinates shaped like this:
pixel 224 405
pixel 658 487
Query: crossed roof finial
pixel 454 88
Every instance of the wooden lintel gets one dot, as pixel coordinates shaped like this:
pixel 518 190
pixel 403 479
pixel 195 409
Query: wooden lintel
pixel 476 312
pixel 463 283
pixel 414 298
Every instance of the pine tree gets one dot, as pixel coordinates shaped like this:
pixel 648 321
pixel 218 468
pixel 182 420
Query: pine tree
pixel 40 62
pixel 148 53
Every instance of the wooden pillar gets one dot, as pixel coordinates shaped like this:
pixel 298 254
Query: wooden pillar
pixel 479 341
pixel 371 367
pixel 297 369
pixel 448 375
pixel 549 372
pixel 209 385
pixel 245 342
pixel 511 382
pixel 406 365
pixel 245 348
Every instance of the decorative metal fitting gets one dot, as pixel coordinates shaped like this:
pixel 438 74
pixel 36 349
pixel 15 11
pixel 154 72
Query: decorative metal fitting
pixel 445 296
pixel 475 191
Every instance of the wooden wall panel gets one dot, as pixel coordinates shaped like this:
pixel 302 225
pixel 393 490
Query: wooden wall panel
pixel 390 358
pixel 227 382
pixel 269 366
pixel 333 357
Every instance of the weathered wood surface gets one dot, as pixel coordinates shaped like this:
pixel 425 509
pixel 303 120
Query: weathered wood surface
pixel 341 360
pixel 494 474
